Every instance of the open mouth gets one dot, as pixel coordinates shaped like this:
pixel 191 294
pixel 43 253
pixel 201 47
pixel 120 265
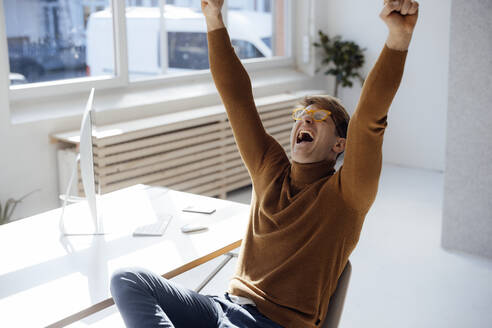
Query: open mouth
pixel 304 136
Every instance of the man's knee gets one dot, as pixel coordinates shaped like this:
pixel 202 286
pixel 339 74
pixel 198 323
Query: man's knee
pixel 133 277
pixel 126 278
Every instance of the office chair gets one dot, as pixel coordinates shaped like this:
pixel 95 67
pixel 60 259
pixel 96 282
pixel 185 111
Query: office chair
pixel 335 306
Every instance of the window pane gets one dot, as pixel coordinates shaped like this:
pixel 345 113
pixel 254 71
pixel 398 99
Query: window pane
pixel 185 43
pixel 187 50
pixel 257 27
pixel 245 49
pixel 52 40
pixel 143 39
pixel 195 4
pixel 250 25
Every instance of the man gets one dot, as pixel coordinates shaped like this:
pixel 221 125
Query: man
pixel 305 217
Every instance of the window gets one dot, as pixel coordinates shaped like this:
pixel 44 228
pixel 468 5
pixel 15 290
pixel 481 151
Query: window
pixel 268 41
pixel 245 49
pixel 47 39
pixel 250 25
pixel 187 50
pixel 258 27
pixel 185 39
pixel 56 40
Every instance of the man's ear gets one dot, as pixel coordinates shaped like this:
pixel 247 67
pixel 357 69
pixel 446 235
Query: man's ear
pixel 339 145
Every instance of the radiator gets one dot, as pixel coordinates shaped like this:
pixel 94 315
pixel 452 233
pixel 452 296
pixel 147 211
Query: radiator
pixel 192 151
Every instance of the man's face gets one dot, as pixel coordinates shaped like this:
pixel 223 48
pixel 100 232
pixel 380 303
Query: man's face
pixel 325 145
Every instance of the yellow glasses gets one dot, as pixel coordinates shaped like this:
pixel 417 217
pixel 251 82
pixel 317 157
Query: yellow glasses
pixel 317 114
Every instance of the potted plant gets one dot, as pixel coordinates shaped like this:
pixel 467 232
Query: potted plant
pixel 343 59
pixel 7 210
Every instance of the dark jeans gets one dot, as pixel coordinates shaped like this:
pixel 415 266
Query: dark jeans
pixel 145 299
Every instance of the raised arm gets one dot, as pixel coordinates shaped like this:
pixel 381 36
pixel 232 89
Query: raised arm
pixel 359 175
pixel 234 86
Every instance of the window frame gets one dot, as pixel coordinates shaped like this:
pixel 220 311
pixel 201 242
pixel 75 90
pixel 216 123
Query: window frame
pixel 121 79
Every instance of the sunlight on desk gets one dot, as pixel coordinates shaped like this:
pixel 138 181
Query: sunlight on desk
pixel 166 256
pixel 44 298
pixel 59 277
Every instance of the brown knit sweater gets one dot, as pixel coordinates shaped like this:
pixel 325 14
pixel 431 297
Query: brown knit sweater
pixel 305 219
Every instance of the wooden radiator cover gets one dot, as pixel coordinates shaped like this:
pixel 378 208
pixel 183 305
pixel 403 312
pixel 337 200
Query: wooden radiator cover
pixel 192 151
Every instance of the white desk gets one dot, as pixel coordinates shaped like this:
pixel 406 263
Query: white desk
pixel 47 279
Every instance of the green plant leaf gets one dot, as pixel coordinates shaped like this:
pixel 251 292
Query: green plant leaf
pixel 6 210
pixel 12 208
pixel 1 215
pixel 340 58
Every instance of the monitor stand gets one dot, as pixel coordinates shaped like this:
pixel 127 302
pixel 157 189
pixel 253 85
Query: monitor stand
pixel 78 220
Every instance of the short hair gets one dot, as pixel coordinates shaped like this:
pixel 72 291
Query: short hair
pixel 339 114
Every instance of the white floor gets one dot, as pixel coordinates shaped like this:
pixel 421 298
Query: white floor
pixel 401 276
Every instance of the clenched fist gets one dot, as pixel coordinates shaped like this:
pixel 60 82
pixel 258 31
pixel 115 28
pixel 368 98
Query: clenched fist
pixel 213 16
pixel 211 8
pixel 401 17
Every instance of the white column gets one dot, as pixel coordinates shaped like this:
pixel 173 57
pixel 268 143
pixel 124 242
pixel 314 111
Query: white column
pixel 467 211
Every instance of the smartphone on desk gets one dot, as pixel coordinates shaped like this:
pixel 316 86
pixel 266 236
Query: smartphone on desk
pixel 203 209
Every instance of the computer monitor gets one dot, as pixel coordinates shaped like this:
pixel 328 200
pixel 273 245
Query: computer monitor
pixel 73 225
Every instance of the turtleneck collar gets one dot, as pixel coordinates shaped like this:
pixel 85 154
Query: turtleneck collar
pixel 303 174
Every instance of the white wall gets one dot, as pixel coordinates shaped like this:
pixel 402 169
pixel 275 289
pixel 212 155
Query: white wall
pixel 417 120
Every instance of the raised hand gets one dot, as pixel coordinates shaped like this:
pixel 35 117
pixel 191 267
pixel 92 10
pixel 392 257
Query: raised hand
pixel 212 11
pixel 401 17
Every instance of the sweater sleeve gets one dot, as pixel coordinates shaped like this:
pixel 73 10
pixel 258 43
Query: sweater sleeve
pixel 234 86
pixel 359 175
